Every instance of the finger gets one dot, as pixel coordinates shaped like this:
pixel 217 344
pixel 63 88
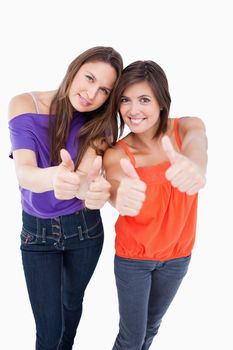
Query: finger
pixel 179 178
pixel 132 194
pixel 67 187
pixel 130 203
pixel 193 190
pixel 67 161
pixel 68 178
pixel 96 169
pixel 128 185
pixel 128 212
pixel 169 149
pixel 196 187
pixel 100 186
pixel 186 185
pixel 95 204
pixel 65 195
pixel 128 168
pixel 173 171
pixel 98 196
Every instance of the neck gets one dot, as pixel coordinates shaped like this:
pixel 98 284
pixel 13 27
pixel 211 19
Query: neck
pixel 45 98
pixel 146 142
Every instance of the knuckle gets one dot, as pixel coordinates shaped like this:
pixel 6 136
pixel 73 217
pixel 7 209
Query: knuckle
pixel 107 196
pixel 182 188
pixel 173 182
pixel 143 197
pixel 92 186
pixel 57 195
pixel 108 186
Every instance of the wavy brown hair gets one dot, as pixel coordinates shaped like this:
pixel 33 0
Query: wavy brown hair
pixel 100 123
pixel 152 73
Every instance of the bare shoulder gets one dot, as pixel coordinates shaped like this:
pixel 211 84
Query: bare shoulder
pixel 112 156
pixel 190 123
pixel 20 104
pixel 111 163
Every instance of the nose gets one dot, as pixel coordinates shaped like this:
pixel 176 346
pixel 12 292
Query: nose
pixel 92 92
pixel 134 109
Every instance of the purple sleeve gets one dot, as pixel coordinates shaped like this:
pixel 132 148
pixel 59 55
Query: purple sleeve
pixel 21 133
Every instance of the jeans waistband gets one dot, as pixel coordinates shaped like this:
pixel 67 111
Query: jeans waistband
pixel 67 225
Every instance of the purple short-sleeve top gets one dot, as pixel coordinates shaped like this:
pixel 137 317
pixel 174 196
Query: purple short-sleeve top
pixel 30 131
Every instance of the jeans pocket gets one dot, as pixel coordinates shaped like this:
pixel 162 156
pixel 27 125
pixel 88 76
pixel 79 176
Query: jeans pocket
pixel 93 224
pixel 96 231
pixel 27 237
pixel 178 267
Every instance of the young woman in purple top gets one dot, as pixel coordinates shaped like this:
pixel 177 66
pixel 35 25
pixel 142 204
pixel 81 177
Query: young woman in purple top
pixel 58 138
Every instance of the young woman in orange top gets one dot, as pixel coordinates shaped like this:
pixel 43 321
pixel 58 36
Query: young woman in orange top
pixel 156 172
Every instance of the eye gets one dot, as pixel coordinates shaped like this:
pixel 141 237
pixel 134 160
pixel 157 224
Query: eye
pixel 105 91
pixel 144 100
pixel 89 77
pixel 124 100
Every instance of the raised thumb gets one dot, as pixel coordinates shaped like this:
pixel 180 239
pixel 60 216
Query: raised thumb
pixel 67 161
pixel 128 169
pixel 96 169
pixel 169 149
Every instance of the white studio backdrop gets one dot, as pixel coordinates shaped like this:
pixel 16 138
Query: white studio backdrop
pixel 191 40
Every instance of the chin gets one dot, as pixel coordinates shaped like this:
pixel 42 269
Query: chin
pixel 81 108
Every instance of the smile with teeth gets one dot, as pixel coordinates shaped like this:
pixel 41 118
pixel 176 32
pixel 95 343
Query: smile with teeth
pixel 136 121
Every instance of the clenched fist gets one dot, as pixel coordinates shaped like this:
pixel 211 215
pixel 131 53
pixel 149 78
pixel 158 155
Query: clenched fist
pixel 183 173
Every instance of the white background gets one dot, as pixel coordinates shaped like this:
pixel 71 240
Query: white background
pixel 191 40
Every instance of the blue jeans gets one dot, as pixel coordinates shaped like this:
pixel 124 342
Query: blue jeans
pixel 59 257
pixel 145 289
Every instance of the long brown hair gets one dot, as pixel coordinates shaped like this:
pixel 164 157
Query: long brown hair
pixel 99 122
pixel 152 73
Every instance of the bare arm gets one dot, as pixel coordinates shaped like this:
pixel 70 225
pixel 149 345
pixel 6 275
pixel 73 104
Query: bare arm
pixel 194 141
pixel 188 168
pixel 28 174
pixel 61 178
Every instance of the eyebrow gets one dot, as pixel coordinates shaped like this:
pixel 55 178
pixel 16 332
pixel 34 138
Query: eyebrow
pixel 138 96
pixel 102 87
pixel 144 96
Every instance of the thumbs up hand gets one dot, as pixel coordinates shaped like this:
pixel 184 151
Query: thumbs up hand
pixel 99 189
pixel 66 182
pixel 131 191
pixel 183 173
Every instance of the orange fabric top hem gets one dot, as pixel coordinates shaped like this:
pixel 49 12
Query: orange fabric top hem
pixel 155 259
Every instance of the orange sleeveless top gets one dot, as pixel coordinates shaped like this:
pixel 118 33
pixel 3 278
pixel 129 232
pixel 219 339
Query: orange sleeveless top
pixel 165 227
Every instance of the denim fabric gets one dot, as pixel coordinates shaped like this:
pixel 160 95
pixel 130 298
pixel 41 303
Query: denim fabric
pixel 59 257
pixel 145 290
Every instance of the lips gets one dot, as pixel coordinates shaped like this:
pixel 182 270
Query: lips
pixel 136 121
pixel 84 101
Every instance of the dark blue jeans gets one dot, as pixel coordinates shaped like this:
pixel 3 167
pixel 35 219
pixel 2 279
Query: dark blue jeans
pixel 59 257
pixel 145 290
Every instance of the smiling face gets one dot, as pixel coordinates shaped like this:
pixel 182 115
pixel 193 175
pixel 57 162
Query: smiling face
pixel 139 108
pixel 91 86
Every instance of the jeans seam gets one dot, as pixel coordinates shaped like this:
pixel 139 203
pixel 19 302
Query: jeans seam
pixel 85 224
